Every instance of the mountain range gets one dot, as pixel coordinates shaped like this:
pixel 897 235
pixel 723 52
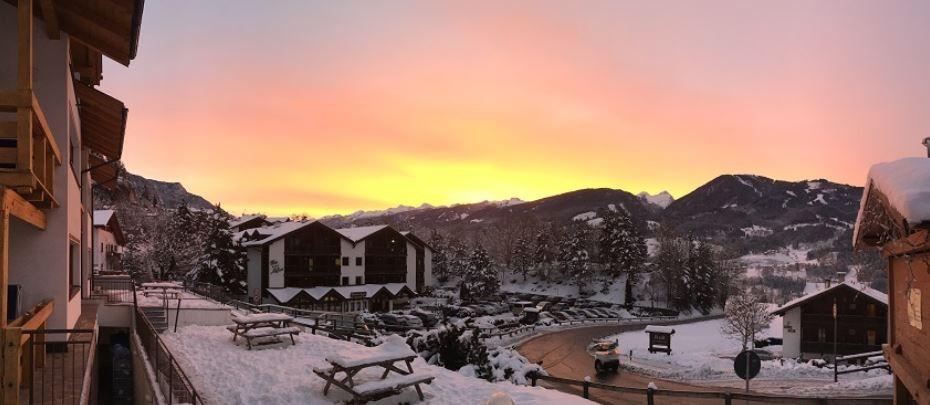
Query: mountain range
pixel 746 212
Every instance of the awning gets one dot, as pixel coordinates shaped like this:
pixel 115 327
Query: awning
pixel 109 26
pixel 103 121
pixel 102 172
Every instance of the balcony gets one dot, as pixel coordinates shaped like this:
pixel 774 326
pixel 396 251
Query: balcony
pixel 28 152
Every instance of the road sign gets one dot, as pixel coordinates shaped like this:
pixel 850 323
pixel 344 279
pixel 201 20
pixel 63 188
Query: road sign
pixel 755 364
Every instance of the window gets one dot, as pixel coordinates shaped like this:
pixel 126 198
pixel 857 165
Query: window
pixel 74 268
pixel 345 260
pixel 358 279
pixel 852 332
pixel 871 310
pixel 871 337
pixel 337 261
pixel 310 264
pixel 852 306
pixel 821 335
pixel 345 281
pixel 358 261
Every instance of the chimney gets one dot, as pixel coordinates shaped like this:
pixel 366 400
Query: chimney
pixel 827 281
pixel 926 144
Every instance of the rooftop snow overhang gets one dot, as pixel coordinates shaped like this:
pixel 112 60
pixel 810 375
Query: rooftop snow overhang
pixel 893 205
pixel 103 121
pixel 871 294
pixel 110 27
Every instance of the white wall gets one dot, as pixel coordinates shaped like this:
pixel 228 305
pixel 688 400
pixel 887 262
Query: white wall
pixel 254 269
pixel 791 333
pixel 276 254
pixel 39 259
pixel 427 267
pixel 411 266
pixel 103 239
pixel 352 252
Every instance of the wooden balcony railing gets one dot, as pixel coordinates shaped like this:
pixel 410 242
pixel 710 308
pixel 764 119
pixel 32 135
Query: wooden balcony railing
pixel 28 151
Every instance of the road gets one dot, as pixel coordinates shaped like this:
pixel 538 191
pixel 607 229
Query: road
pixel 564 354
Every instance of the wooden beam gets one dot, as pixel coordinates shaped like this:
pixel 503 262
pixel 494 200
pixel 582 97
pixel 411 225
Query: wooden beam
pixel 24 68
pixel 51 19
pixel 17 206
pixel 10 100
pixel 43 125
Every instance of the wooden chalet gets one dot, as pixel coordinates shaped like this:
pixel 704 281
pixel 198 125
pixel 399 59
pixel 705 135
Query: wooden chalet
pixel 314 258
pixel 808 326
pixel 895 218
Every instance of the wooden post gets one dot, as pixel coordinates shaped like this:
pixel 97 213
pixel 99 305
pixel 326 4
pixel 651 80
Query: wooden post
pixel 649 396
pixel 4 261
pixel 24 81
pixel 586 387
pixel 11 370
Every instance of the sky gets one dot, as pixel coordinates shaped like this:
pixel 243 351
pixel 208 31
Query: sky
pixel 321 107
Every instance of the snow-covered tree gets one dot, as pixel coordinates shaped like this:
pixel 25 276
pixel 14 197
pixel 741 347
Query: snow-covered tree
pixel 440 256
pixel 480 275
pixel 457 255
pixel 622 248
pixel 544 251
pixel 669 262
pixel 222 262
pixel 178 243
pixel 522 258
pixel 574 258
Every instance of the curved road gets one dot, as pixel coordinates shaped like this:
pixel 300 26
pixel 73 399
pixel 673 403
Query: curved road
pixel 564 354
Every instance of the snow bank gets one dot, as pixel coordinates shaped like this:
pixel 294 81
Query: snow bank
pixel 225 373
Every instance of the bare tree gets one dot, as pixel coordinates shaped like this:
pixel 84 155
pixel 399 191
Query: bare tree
pixel 745 316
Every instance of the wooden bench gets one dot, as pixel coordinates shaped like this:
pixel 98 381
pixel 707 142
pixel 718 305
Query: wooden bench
pixel 377 389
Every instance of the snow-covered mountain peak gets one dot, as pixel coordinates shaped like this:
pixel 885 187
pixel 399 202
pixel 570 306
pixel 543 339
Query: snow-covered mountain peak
pixel 662 199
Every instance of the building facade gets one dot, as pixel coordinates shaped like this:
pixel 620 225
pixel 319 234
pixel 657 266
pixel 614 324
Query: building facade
pixel 301 264
pixel 808 325
pixel 108 242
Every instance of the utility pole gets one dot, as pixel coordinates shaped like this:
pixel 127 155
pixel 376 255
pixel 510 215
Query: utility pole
pixel 835 363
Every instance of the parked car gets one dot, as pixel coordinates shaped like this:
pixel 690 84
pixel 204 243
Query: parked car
pixel 389 320
pixel 544 305
pixel 429 319
pixel 545 318
pixel 574 314
pixel 518 307
pixel 559 316
pixel 410 321
pixel 530 315
pixel 606 356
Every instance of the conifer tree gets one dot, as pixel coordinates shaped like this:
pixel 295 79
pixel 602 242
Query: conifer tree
pixel 480 276
pixel 222 262
pixel 574 258
pixel 440 256
pixel 522 256
pixel 544 252
pixel 622 249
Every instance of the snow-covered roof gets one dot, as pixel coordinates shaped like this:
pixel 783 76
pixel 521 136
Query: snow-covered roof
pixel 286 294
pixel 864 289
pixel 659 329
pixel 102 217
pixel 358 233
pixel 243 219
pixel 905 185
pixel 272 232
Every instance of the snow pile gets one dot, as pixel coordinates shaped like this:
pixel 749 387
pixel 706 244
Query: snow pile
pixel 226 373
pixel 857 387
pixel 509 365
pixel 188 301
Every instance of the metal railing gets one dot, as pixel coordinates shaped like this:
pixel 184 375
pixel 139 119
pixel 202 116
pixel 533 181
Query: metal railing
pixel 116 290
pixel 170 379
pixel 649 394
pixel 57 365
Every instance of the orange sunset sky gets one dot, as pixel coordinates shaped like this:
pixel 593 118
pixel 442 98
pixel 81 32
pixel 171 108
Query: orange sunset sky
pixel 325 107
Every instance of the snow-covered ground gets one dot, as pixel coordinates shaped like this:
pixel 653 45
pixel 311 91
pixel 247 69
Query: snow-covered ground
pixel 226 373
pixel 700 353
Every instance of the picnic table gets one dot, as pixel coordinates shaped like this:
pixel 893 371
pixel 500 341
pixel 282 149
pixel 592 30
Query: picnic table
pixel 163 288
pixel 385 356
pixel 264 328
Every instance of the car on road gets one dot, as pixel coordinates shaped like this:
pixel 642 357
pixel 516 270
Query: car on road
pixel 606 356
pixel 429 319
